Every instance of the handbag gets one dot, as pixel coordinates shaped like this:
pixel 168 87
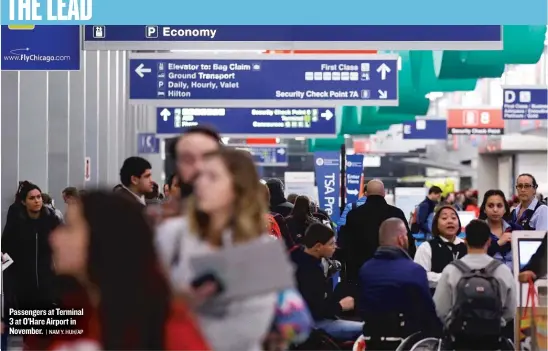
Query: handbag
pixel 532 326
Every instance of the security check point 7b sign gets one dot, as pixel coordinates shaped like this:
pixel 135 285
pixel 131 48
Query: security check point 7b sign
pixel 258 80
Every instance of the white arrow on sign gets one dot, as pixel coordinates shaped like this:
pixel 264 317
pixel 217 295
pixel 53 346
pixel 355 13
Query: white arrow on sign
pixel 383 94
pixel 165 114
pixel 352 192
pixel 148 141
pixel 281 151
pixel 327 115
pixel 141 70
pixel 383 70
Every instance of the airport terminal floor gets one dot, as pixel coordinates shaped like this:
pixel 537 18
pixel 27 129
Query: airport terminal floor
pixel 254 194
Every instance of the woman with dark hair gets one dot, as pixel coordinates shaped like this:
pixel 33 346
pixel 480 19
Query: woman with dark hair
pixel 123 293
pixel 495 211
pixel 25 239
pixel 444 248
pixel 300 218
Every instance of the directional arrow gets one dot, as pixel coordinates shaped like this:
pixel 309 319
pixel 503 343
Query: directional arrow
pixel 327 115
pixel 383 94
pixel 141 70
pixel 165 114
pixel 383 70
pixel 281 151
pixel 352 192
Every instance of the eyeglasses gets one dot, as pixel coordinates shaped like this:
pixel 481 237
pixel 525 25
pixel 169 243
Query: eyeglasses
pixel 524 186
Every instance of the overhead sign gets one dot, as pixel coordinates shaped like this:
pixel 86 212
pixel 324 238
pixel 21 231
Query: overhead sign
pixel 525 103
pixel 266 155
pixel 255 80
pixel 243 122
pixel 475 121
pixel 354 171
pixel 293 37
pixel 148 143
pixel 328 179
pixel 40 48
pixel 425 129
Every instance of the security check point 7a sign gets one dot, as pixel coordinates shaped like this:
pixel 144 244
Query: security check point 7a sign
pixel 525 102
pixel 256 80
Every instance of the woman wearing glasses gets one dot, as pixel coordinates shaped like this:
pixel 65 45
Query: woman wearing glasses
pixel 530 214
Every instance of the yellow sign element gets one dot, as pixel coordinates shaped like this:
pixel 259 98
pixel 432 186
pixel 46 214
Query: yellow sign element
pixel 21 26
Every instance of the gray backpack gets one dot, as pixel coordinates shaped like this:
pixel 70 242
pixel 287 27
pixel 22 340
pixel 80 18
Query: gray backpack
pixel 478 306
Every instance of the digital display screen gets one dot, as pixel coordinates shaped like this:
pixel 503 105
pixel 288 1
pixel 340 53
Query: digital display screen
pixel 526 249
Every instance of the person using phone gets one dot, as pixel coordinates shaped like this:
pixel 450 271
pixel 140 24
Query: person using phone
pixel 316 289
pixel 227 209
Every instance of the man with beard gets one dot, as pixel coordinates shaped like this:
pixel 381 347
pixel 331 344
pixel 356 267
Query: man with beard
pixel 188 152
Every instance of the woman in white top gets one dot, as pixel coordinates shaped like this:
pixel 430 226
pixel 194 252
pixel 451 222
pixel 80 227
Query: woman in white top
pixel 227 209
pixel 444 248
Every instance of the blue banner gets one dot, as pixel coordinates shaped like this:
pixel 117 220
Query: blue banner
pixel 354 170
pixel 267 155
pixel 268 81
pixel 425 129
pixel 288 37
pixel 525 103
pixel 148 143
pixel 328 179
pixel 307 122
pixel 40 48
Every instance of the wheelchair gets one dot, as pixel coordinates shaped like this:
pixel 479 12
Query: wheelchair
pixel 448 343
pixel 320 340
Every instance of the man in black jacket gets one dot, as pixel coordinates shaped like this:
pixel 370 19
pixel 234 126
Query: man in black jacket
pixel 536 267
pixel 316 288
pixel 359 238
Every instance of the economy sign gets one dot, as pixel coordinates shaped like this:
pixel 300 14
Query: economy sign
pixel 475 121
pixel 255 80
pixel 425 129
pixel 40 48
pixel 293 37
pixel 525 102
pixel 244 122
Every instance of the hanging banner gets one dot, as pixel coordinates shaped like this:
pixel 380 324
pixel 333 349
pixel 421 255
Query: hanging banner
pixel 354 170
pixel 328 178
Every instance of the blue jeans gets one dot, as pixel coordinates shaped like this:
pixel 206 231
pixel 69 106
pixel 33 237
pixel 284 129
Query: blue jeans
pixel 341 329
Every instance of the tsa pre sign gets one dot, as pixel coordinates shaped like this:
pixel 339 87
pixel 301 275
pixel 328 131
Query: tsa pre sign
pixel 256 80
pixel 328 178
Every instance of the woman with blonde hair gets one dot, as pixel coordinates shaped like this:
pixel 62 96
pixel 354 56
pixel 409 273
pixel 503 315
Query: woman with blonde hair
pixel 227 209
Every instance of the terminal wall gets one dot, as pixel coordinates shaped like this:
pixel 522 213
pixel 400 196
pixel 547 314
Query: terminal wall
pixel 52 121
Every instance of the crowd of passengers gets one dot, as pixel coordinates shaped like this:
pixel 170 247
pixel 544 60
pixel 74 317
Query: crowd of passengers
pixel 129 259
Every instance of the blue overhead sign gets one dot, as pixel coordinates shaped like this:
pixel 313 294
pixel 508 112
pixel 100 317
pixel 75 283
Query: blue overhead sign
pixel 267 155
pixel 266 80
pixel 425 129
pixel 148 143
pixel 40 48
pixel 525 103
pixel 293 37
pixel 291 122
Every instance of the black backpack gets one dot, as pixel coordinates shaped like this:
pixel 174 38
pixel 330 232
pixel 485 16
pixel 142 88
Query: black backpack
pixel 478 306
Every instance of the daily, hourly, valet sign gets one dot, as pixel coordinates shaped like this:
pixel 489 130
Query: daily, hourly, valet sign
pixel 293 37
pixel 525 102
pixel 255 80
pixel 243 122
